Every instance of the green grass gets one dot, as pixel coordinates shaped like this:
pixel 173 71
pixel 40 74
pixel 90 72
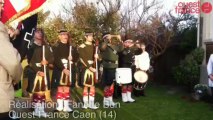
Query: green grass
pixel 158 105
pixel 18 93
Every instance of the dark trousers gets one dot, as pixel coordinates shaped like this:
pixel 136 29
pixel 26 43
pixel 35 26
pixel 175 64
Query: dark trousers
pixel 117 91
pixel 5 116
pixel 211 90
pixel 55 78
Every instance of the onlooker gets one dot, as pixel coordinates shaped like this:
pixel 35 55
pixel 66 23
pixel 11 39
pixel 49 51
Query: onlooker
pixel 142 62
pixel 210 72
pixel 10 70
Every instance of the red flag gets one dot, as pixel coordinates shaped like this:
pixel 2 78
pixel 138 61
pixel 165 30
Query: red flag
pixel 13 8
pixel 35 7
pixel 16 11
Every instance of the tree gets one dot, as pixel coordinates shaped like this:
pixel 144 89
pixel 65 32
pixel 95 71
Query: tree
pixel 85 16
pixel 89 15
pixel 137 12
pixel 51 28
pixel 155 34
pixel 110 17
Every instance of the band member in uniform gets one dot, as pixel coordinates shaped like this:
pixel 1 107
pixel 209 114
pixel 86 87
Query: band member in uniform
pixel 142 61
pixel 39 57
pixel 64 53
pixel 126 59
pixel 87 56
pixel 109 54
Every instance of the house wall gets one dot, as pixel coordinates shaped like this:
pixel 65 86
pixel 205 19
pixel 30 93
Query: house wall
pixel 205 31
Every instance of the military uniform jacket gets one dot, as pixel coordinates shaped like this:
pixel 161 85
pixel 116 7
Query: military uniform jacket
pixel 61 54
pixel 86 55
pixel 127 57
pixel 109 54
pixel 35 57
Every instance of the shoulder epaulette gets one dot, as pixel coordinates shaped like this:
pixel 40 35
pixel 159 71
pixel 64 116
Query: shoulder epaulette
pixel 82 45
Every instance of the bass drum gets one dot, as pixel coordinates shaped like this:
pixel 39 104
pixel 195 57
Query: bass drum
pixel 141 79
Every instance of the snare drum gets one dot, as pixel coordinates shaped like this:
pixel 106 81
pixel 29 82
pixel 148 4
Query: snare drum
pixel 123 75
pixel 141 78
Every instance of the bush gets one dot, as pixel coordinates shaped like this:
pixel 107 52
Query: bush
pixel 201 91
pixel 188 71
pixel 198 55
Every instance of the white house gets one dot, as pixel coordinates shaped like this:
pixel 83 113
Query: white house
pixel 205 38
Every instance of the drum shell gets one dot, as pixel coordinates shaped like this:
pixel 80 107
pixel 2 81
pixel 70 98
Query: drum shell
pixel 123 75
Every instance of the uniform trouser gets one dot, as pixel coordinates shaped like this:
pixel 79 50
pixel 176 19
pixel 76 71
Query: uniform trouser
pixel 81 76
pixel 6 116
pixel 56 75
pixel 212 92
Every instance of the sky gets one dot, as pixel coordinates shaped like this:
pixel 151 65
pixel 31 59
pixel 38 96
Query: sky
pixel 55 6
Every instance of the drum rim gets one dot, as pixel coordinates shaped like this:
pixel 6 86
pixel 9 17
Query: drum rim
pixel 123 68
pixel 138 80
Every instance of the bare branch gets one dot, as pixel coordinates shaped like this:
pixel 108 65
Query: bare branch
pixel 105 6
